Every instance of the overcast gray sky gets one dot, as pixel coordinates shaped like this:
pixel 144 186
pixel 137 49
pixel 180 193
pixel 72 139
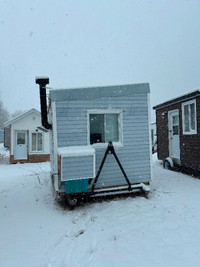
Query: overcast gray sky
pixel 86 43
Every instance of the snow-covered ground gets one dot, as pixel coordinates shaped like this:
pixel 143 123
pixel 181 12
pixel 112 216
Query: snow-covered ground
pixel 162 231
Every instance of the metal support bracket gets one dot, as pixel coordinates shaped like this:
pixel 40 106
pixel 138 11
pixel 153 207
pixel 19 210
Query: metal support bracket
pixel 110 150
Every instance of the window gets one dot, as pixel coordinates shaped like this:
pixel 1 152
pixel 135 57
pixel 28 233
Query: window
pixel 189 117
pixel 104 126
pixel 21 139
pixel 37 142
pixel 175 125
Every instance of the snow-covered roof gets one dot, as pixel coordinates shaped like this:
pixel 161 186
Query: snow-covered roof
pixel 186 96
pixel 72 151
pixel 21 116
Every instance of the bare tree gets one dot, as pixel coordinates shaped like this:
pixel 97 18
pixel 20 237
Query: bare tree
pixel 4 115
pixel 16 113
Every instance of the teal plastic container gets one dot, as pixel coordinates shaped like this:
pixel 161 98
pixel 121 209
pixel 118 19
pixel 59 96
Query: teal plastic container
pixel 76 186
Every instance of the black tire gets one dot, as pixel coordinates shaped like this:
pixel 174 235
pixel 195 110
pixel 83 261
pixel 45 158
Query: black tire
pixel 146 194
pixel 166 165
pixel 72 202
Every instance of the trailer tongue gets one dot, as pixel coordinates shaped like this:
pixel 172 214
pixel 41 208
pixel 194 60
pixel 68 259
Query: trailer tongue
pixel 110 149
pixel 142 188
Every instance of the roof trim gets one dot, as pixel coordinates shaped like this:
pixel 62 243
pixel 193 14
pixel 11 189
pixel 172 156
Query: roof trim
pixel 21 116
pixel 178 99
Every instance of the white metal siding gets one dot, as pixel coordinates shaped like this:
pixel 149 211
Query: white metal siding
pixel 77 167
pixel 71 119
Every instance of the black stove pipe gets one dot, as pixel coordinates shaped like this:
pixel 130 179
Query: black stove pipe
pixel 43 101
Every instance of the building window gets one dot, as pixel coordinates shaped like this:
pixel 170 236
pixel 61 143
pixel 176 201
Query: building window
pixel 36 142
pixel 21 138
pixel 189 117
pixel 105 126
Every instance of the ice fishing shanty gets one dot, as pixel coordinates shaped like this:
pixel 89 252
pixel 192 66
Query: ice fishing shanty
pixel 99 138
pixel 178 134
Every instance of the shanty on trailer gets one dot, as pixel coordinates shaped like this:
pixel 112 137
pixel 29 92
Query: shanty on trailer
pixel 178 132
pixel 100 139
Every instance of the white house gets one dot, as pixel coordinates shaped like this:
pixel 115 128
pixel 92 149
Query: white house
pixel 27 140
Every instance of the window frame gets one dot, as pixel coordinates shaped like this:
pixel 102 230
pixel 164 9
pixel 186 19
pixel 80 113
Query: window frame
pixel 191 131
pixel 36 151
pixel 104 112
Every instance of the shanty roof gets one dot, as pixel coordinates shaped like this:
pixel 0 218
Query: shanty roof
pixel 178 99
pixel 98 92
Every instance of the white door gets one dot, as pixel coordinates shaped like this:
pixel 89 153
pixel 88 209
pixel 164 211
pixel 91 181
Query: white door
pixel 174 145
pixel 20 145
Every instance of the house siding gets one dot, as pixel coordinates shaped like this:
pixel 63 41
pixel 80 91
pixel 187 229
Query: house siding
pixel 189 144
pixel 71 118
pixel 77 167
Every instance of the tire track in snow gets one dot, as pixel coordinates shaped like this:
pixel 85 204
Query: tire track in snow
pixel 63 251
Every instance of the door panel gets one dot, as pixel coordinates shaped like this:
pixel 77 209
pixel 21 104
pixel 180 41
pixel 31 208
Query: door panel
pixel 20 145
pixel 174 145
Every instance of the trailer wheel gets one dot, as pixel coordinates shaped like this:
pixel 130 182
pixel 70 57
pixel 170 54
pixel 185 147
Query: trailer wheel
pixel 168 164
pixel 72 201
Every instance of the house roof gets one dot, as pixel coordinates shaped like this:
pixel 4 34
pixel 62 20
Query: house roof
pixel 178 99
pixel 90 93
pixel 21 116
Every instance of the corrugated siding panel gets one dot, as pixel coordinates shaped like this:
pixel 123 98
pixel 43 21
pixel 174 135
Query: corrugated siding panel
pixel 77 167
pixel 134 155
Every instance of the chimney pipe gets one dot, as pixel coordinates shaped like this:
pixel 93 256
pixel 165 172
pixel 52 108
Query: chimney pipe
pixel 43 101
